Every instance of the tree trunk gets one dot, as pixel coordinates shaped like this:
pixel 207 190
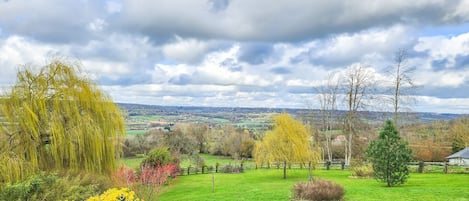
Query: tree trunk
pixel 284 169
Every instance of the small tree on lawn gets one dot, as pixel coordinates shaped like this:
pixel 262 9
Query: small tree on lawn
pixel 390 155
pixel 288 142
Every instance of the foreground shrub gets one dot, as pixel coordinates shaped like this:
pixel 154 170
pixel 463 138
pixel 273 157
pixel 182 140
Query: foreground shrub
pixel 53 187
pixel 114 194
pixel 319 190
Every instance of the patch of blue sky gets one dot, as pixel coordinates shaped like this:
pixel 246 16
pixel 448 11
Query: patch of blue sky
pixel 446 30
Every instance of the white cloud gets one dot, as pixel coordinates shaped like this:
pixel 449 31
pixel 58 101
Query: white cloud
pixel 97 25
pixel 16 51
pixel 443 47
pixel 185 50
pixel 442 105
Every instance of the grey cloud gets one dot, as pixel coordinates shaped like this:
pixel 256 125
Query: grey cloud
pixel 183 79
pixel 232 65
pixel 300 89
pixel 280 70
pixel 280 20
pixel 52 21
pixel 445 92
pixel 462 61
pixel 255 53
pixel 439 65
pixel 218 5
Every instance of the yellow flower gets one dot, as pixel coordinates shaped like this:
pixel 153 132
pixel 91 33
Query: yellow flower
pixel 114 194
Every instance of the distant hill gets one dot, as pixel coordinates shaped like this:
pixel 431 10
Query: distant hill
pixel 235 112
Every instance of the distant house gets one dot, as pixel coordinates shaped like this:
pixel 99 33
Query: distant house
pixel 460 157
pixel 339 139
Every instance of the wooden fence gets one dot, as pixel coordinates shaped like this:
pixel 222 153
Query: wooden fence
pixel 416 167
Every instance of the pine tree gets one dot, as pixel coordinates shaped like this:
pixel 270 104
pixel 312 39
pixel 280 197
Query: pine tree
pixel 390 156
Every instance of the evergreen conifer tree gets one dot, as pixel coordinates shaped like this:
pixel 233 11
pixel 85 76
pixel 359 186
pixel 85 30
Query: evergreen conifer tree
pixel 390 156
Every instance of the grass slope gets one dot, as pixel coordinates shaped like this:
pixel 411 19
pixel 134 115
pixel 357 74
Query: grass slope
pixel 266 184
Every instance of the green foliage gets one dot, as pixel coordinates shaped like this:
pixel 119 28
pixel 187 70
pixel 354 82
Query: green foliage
pixel 12 168
pixel 53 187
pixel 319 190
pixel 55 119
pixel 157 157
pixel 390 156
pixel 180 142
pixel 459 130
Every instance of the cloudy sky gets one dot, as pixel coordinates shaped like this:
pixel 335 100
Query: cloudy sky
pixel 242 53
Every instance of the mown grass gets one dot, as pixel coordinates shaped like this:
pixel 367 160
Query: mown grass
pixel 267 184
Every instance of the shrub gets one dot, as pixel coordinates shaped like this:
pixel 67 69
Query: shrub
pixel 156 157
pixel 53 187
pixel 319 190
pixel 362 170
pixel 124 177
pixel 232 169
pixel 114 194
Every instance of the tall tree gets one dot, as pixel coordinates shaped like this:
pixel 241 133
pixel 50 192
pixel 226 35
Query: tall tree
pixel 403 86
pixel 459 130
pixel 328 101
pixel 359 88
pixel 288 142
pixel 57 118
pixel 389 156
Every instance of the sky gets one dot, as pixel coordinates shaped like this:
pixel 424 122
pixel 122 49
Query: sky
pixel 242 53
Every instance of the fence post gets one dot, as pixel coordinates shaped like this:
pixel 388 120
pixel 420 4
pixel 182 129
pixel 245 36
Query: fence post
pixel 421 166
pixel 445 170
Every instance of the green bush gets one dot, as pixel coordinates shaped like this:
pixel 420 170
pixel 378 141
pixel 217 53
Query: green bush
pixel 53 187
pixel 319 190
pixel 157 157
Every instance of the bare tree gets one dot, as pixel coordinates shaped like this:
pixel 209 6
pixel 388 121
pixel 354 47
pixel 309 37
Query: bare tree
pixel 328 101
pixel 359 86
pixel 403 86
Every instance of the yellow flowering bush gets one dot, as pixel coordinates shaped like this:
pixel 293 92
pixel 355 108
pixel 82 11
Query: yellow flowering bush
pixel 115 194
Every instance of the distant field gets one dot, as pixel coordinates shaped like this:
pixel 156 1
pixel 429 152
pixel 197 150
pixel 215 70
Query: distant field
pixel 267 184
pixel 210 160
pixel 135 132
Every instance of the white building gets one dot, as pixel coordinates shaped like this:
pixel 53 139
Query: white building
pixel 460 157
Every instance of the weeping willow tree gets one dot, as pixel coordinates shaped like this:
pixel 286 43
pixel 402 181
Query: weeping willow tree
pixel 288 142
pixel 55 118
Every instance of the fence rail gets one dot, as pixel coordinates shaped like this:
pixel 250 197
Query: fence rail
pixel 417 167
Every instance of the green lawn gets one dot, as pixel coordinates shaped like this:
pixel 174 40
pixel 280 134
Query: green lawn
pixel 135 132
pixel 267 184
pixel 131 162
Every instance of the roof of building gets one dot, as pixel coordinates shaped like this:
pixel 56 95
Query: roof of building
pixel 460 154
